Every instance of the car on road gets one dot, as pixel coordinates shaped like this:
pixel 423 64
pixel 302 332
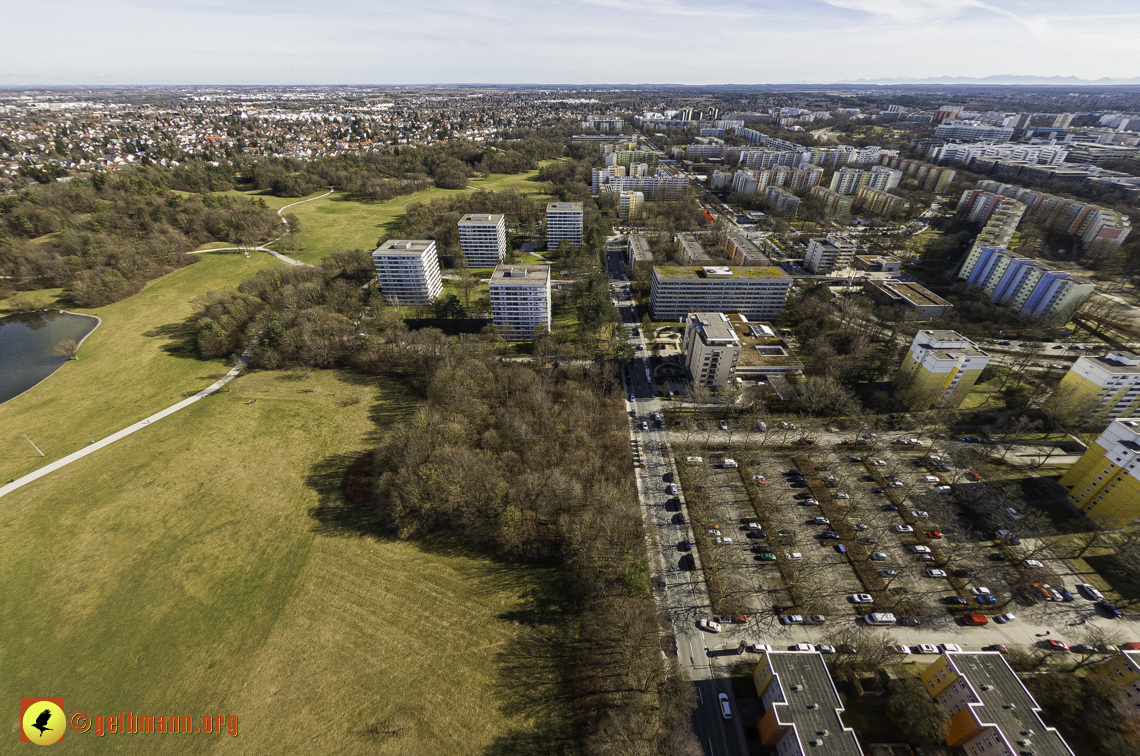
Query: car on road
pixel 1001 648
pixel 1109 609
pixel 904 528
pixel 1083 648
pixel 725 709
pixel 936 573
pixel 901 649
pixel 825 648
pixel 631 397
pixel 723 425
pixel 878 556
pixel 944 647
pixel 1004 618
pixel 1059 645
pixel 925 648
pixel 1089 592
pixel 861 598
pixel 791 619
pixel 708 625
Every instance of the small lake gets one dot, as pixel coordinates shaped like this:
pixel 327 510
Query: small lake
pixel 27 347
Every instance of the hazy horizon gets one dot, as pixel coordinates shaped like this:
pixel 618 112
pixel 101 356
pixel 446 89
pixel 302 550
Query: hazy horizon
pixel 763 42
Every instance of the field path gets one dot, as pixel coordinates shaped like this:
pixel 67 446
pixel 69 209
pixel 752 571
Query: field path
pixel 265 247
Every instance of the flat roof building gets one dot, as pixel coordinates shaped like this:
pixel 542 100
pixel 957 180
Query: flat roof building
pixel 1031 288
pixel 741 250
pixel 408 271
pixel 825 255
pixel 1104 484
pixel 520 300
pixel 483 239
pixel 710 347
pixel 758 292
pixel 877 263
pixel 924 304
pixel 1097 389
pixel 990 710
pixel 763 353
pixel 802 708
pixel 630 204
pixel 563 223
pixel 691 249
pixel 637 252
pixel 939 370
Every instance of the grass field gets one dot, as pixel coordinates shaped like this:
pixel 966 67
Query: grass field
pixel 207 565
pixel 338 221
pixel 137 362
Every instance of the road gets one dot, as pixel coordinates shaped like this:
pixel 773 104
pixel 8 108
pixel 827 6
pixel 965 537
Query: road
pixel 265 247
pixel 680 590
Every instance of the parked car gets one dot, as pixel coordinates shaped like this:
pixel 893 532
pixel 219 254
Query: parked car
pixel 920 549
pixel 1089 592
pixel 936 573
pixel 861 598
pixel 672 488
pixel 904 528
pixel 878 489
pixel 1083 648
pixel 825 648
pixel 1001 648
pixel 934 534
pixel 1059 645
pixel 815 619
pixel 975 619
pixel 1109 609
pixel 1032 563
pixel 888 573
pixel 802 647
pixel 980 591
pixel 842 495
pixel 987 599
pixel 821 521
pixel 944 647
pixel 924 648
pixel 708 625
pixel 795 556
pixel 901 649
pixel 791 619
pixel 878 556
pixel 723 425
pixel 954 601
pixel 880 463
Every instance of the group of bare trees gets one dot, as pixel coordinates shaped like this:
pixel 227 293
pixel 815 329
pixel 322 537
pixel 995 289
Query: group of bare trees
pixel 532 462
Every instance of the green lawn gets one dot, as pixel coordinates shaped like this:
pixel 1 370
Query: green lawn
pixel 140 360
pixel 208 565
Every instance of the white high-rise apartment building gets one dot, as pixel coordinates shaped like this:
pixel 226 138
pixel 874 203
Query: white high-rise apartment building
pixel 711 348
pixel 563 221
pixel 826 255
pixel 408 271
pixel 520 300
pixel 483 239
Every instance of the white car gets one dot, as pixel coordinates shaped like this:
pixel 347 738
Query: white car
pixel 672 488
pixel 904 528
pixel 895 484
pixel 724 541
pixel 925 648
pixel 920 549
pixel 631 397
pixel 792 619
pixel 811 503
pixel 919 513
pixel 713 532
pixel 880 463
pixel 842 495
pixel 802 647
pixel 826 648
pixel 821 521
pixel 723 425
pixel 1090 592
pixel 936 573
pixel 861 598
pixel 794 556
pixel 901 649
pixel 860 526
pixel 759 648
pixel 708 625
pixel 942 489
pixel 1032 563
pixel 944 647
pixel 1007 617
pixel 931 478
pixel 853 458
pixel 725 709
pixel 980 591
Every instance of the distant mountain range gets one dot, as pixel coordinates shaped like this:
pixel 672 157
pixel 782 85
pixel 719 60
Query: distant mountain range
pixel 1004 79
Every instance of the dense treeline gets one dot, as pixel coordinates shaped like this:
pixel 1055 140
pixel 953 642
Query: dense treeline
pixel 117 231
pixel 533 464
pixel 384 175
pixel 306 316
pixel 437 219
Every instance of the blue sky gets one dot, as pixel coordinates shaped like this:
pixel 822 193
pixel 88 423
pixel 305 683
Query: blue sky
pixel 560 41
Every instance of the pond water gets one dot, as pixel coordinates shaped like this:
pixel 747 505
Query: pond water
pixel 27 347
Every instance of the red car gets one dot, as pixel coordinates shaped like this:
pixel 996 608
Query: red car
pixel 1061 645
pixel 973 475
pixel 933 534
pixel 975 619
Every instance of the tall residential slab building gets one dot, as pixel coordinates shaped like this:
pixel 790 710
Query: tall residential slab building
pixel 826 255
pixel 563 222
pixel 483 239
pixel 991 713
pixel 939 370
pixel 1099 389
pixel 803 713
pixel 520 300
pixel 711 348
pixel 1032 289
pixel 1104 484
pixel 408 271
pixel 757 292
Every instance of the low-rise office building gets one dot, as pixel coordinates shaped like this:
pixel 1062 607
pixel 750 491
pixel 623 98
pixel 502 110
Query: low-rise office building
pixel 803 713
pixel 939 370
pixel 408 271
pixel 892 292
pixel 763 353
pixel 832 253
pixel 483 239
pixel 563 223
pixel 877 263
pixel 758 292
pixel 520 300
pixel 991 712
pixel 741 250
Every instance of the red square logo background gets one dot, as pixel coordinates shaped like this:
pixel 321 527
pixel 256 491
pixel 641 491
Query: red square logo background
pixel 26 703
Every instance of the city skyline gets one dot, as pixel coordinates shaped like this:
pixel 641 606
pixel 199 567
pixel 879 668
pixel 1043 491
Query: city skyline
pixel 151 42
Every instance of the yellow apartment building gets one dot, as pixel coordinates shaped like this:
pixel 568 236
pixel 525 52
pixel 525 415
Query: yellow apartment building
pixel 1099 389
pixel 1103 485
pixel 939 370
pixel 802 708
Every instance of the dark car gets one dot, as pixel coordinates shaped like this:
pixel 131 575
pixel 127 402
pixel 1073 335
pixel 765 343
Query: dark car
pixel 1003 343
pixel 1064 593
pixel 964 572
pixel 954 600
pixel 804 495
pixel 876 489
pixel 987 599
pixel 997 557
pixel 686 546
pixel 1109 609
pixel 688 563
pixel 799 484
pixel 680 518
pixel 910 621
pixel 868 540
pixel 891 508
pixel 794 472
pixel 828 534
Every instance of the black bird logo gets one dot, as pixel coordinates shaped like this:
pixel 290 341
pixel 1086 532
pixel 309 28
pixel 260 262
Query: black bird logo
pixel 42 720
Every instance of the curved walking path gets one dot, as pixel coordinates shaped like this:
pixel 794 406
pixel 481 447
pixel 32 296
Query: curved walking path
pixel 265 247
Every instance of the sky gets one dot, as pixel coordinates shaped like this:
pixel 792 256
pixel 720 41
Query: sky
pixel 61 42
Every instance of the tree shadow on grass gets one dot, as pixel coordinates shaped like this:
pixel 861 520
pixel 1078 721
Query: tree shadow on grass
pixel 181 338
pixel 335 515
